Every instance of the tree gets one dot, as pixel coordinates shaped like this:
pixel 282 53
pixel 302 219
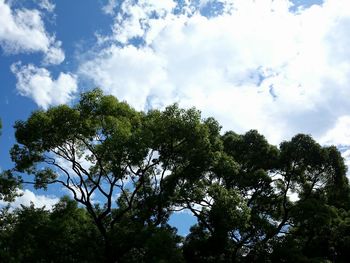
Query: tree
pixel 65 234
pixel 103 148
pixel 8 183
pixel 251 211
pixel 129 170
pixel 8 186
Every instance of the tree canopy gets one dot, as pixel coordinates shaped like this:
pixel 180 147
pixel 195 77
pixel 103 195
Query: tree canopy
pixel 8 182
pixel 129 171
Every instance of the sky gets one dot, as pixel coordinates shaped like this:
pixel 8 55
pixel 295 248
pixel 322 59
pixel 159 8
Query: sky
pixel 281 67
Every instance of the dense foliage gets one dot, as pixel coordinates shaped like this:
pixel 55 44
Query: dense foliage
pixel 128 171
pixel 8 182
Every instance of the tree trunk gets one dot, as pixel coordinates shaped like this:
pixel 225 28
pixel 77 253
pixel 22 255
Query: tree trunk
pixel 108 253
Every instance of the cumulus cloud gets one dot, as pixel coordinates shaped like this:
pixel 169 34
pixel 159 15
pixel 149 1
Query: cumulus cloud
pixel 251 64
pixel 23 30
pixel 38 84
pixel 27 197
pixel 144 66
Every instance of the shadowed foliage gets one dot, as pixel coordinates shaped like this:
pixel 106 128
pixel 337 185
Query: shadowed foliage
pixel 128 171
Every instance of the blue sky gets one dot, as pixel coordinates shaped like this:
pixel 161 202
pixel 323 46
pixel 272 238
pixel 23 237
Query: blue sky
pixel 281 66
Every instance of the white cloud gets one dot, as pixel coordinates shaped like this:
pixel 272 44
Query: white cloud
pixel 54 55
pixel 255 65
pixel 46 5
pixel 340 133
pixel 109 7
pixel 146 73
pixel 38 84
pixel 28 196
pixel 133 19
pixel 23 30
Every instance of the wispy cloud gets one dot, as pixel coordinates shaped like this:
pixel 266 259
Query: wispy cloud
pixel 46 5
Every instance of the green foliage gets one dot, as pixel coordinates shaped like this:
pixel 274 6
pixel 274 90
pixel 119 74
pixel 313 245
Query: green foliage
pixel 8 183
pixel 66 234
pixel 160 154
pixel 8 186
pixel 254 202
pixel 266 225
